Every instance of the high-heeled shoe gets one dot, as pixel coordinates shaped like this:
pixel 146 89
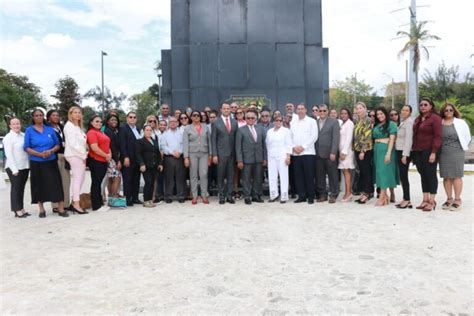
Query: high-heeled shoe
pixel 429 207
pixel 392 198
pixel 273 200
pixel 63 214
pixel 74 211
pixel 24 215
pixel 447 205
pixel 422 205
pixel 348 199
pixel 408 205
pixel 42 215
pixel 382 202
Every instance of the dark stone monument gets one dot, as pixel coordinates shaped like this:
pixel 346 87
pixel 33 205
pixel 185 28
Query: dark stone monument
pixel 244 48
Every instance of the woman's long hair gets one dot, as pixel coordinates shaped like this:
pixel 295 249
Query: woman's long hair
pixel 385 125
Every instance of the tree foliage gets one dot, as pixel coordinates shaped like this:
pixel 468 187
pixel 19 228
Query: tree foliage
pixel 18 97
pixel 111 100
pixel 67 95
pixel 143 104
pixel 342 93
pixel 416 38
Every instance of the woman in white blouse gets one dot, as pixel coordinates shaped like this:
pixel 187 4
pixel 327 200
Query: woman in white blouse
pixel 279 148
pixel 346 154
pixel 17 166
pixel 75 152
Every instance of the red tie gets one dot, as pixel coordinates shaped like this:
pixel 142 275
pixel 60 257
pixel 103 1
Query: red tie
pixel 227 124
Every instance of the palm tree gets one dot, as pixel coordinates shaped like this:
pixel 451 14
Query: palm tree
pixel 417 36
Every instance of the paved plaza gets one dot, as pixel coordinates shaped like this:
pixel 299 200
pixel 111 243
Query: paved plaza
pixel 267 259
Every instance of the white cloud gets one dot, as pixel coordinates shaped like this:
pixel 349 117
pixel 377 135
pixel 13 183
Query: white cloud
pixel 57 40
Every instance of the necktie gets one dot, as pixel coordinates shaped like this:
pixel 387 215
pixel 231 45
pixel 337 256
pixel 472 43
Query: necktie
pixel 254 133
pixel 227 124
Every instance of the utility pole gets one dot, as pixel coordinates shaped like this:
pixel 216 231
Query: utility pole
pixel 406 81
pixel 412 75
pixel 102 91
pixel 393 94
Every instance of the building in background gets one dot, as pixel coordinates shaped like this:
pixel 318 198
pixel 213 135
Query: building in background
pixel 270 49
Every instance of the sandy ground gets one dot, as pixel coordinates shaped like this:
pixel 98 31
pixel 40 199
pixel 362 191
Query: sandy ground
pixel 268 259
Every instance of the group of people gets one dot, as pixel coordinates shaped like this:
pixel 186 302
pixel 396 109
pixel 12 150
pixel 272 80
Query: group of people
pixel 305 157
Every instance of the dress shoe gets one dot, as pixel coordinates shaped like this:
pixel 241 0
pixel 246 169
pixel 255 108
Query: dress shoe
pixel 181 200
pixel 273 200
pixel 20 215
pixel 221 201
pixel 168 201
pixel 300 200
pixel 257 199
pixel 230 200
pixel 322 199
pixel 137 201
pixel 74 211
pixel 55 210
pixel 129 203
pixel 248 201
pixel 63 214
pixel 205 200
pixel 282 202
pixel 310 201
pixel 332 200
pixel 194 201
pixel 293 196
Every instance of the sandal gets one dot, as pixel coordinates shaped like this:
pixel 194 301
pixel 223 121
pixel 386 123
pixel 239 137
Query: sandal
pixel 363 199
pixel 447 205
pixel 455 206
pixel 422 205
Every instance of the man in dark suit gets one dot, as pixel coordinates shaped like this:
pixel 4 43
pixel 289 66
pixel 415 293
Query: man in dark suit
pixel 326 155
pixel 223 132
pixel 251 157
pixel 129 135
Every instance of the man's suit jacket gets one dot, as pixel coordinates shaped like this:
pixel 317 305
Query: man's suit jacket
pixel 328 140
pixel 195 143
pixel 223 142
pixel 247 149
pixel 127 143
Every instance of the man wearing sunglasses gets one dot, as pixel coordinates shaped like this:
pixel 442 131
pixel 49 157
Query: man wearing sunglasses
pixel 128 136
pixel 251 156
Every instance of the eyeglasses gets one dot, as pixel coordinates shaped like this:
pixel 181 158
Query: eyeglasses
pixel 195 115
pixel 448 110
pixel 239 113
pixel 323 110
pixel 132 117
pixel 424 104
pixel 183 118
pixel 151 121
pixel 278 120
pixel 251 118
pixel 393 114
pixel 98 122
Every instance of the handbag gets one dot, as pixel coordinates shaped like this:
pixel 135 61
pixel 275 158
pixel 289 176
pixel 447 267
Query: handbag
pixel 118 202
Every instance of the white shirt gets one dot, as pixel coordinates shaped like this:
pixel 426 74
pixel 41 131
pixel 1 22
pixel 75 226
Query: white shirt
pixel 17 158
pixel 76 141
pixel 304 132
pixel 278 143
pixel 172 141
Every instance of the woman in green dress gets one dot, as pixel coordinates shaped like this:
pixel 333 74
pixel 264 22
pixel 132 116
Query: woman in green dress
pixel 385 163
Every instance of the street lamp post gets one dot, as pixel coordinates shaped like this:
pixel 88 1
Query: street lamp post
pixel 102 90
pixel 159 89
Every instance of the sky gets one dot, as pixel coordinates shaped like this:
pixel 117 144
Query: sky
pixel 48 39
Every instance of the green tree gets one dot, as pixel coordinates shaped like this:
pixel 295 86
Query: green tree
pixel 18 97
pixel 111 100
pixel 67 95
pixel 440 85
pixel 143 104
pixel 343 91
pixel 398 92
